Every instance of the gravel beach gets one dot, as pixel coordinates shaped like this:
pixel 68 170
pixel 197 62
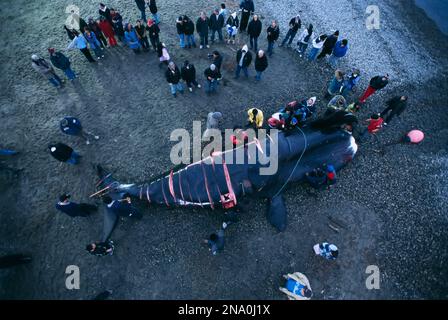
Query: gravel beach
pixel 390 208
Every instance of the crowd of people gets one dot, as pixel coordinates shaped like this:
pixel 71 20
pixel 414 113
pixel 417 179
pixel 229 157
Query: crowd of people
pixel 109 28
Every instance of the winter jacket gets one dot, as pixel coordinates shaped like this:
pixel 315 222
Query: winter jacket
pixel 261 63
pixel 106 14
pixel 378 83
pixel 60 61
pixel 131 39
pixel 246 60
pixel 44 68
pixel 212 74
pixel 141 31
pixel 153 6
pixel 247 5
pixel 202 26
pixel 295 25
pixel 335 85
pixel 180 26
pixel 330 42
pixel 305 37
pixel 106 28
pixel 95 28
pixel 218 62
pixel 92 40
pixel 62 153
pixel 173 77
pixel 154 31
pixel 396 105
pixel 273 33
pixel 188 27
pixel 339 51
pixel 188 73
pixel 117 23
pixel 254 28
pixel 233 22
pixel 216 22
pixel 317 44
pixel 79 42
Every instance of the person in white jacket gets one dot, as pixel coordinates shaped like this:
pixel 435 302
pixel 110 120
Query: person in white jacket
pixel 304 40
pixel 318 43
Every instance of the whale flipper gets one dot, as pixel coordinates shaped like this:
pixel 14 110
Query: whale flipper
pixel 277 214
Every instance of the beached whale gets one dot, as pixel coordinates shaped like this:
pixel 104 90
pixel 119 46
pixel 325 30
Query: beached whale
pixel 217 181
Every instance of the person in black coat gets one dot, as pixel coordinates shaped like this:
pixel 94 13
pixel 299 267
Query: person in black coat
pixel 105 12
pixel 153 33
pixel 376 83
pixel 141 5
pixel 247 8
pixel 212 75
pixel 117 24
pixel 254 31
pixel 189 33
pixel 395 107
pixel 261 64
pixel 73 209
pixel 329 44
pixel 294 25
pixel 216 23
pixel 216 59
pixel 153 9
pixel 273 32
pixel 70 32
pixel 173 77
pixel 60 61
pixel 188 74
pixel 180 31
pixel 202 29
pixel 95 28
pixel 64 153
pixel 243 61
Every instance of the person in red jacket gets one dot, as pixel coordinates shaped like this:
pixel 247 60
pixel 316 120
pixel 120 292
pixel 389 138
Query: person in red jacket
pixel 376 83
pixel 108 31
pixel 375 123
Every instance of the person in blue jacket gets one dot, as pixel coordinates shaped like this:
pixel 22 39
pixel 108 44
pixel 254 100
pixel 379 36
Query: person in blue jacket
pixel 350 83
pixel 73 209
pixel 79 42
pixel 131 38
pixel 72 126
pixel 339 51
pixel 94 43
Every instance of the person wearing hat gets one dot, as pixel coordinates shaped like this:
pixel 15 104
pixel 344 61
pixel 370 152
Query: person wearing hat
pixel 173 77
pixel 64 153
pixel 213 119
pixel 153 33
pixel 45 69
pixel 73 209
pixel 243 61
pixel 60 61
pixel 326 250
pixel 188 74
pixel 212 75
pixel 72 126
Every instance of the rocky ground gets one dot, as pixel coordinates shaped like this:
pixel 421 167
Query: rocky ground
pixel 390 207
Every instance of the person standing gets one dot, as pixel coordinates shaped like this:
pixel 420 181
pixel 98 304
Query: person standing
pixel 153 9
pixel 304 39
pixel 131 38
pixel 224 12
pixel 254 31
pixel 202 29
pixel 95 28
pixel 188 74
pixel 395 107
pixel 216 22
pixel 243 60
pixel 71 33
pixel 261 64
pixel 189 32
pixel 217 60
pixel 376 83
pixel 212 75
pixel 351 82
pixel 318 43
pixel 215 242
pixel 108 31
pixel 336 84
pixel 232 25
pixel 72 126
pixel 73 209
pixel 273 34
pixel 153 32
pixel 46 70
pixel 180 31
pixel 117 24
pixel 64 153
pixel 94 43
pixel 339 51
pixel 173 77
pixel 247 9
pixel 80 43
pixel 140 28
pixel 329 44
pixel 141 5
pixel 164 56
pixel 60 61
pixel 375 123
pixel 294 25
pixel 105 12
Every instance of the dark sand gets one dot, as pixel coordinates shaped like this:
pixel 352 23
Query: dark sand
pixel 392 207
